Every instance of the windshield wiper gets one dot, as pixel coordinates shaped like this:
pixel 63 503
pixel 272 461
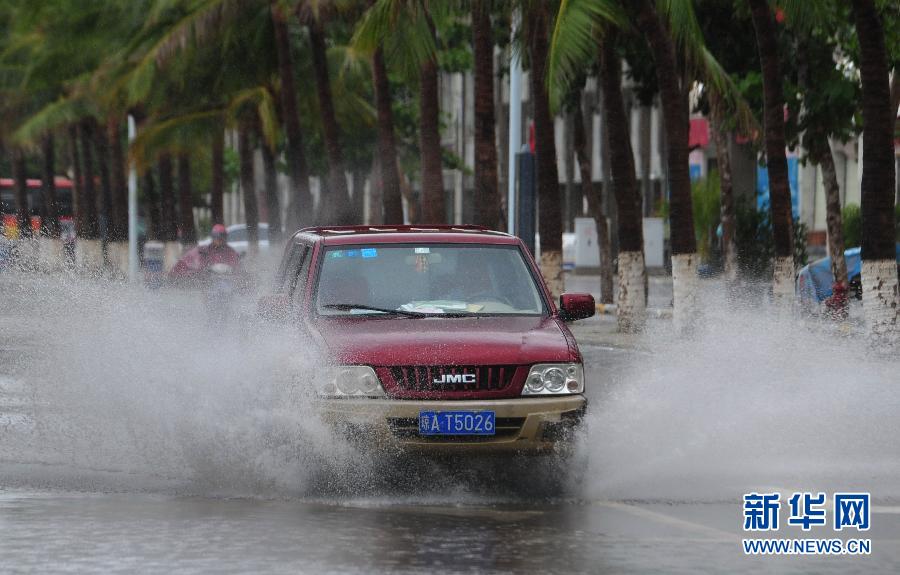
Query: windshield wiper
pixel 350 306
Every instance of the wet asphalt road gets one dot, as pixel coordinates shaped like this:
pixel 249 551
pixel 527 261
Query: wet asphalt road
pixel 64 517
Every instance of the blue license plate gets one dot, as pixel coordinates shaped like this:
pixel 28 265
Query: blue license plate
pixel 457 423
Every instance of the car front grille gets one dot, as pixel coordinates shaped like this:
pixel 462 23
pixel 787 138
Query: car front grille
pixel 442 379
pixel 408 428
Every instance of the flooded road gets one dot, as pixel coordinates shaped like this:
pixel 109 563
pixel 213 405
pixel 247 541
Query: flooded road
pixel 131 441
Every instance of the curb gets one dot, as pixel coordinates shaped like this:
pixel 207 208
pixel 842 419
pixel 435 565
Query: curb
pixel 657 312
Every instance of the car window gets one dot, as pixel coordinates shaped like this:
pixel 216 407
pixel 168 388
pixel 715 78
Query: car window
pixel 238 235
pixel 300 271
pixel 263 234
pixel 464 279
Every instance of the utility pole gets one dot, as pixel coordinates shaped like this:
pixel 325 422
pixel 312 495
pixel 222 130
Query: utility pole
pixel 515 126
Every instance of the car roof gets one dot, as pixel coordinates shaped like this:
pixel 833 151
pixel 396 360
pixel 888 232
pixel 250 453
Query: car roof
pixel 346 235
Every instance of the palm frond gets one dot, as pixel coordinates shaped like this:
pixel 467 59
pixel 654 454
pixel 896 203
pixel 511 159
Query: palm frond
pixel 204 20
pixel 175 135
pixel 263 103
pixel 51 117
pixel 686 31
pixel 573 44
pixel 401 28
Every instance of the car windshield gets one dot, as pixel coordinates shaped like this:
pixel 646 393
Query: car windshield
pixel 427 279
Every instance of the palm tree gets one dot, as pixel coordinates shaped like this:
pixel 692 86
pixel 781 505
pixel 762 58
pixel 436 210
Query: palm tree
pixel 433 206
pixel 550 218
pixel 102 151
pixel 405 29
pixel 217 185
pixel 387 149
pixel 81 212
pixel 248 186
pixel 582 27
pixel 119 199
pixel 88 185
pixel 679 53
pixel 723 161
pixel 776 161
pixel 185 201
pixel 273 205
pixel 23 214
pixel 168 228
pixel 631 301
pixel 301 205
pixel 486 192
pixel 51 216
pixel 673 92
pixel 339 209
pixel 594 198
pixel 879 266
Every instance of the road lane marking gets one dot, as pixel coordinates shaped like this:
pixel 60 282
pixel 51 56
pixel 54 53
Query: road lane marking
pixel 643 513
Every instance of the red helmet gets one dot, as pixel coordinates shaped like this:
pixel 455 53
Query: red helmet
pixel 219 231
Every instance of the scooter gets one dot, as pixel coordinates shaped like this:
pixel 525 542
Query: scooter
pixel 220 290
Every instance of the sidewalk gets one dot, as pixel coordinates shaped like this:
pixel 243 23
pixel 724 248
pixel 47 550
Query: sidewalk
pixel 601 330
pixel 659 296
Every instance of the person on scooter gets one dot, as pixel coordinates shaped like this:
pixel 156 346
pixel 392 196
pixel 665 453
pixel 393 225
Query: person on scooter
pixel 201 259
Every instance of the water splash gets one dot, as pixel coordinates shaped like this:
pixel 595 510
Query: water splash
pixel 753 400
pixel 108 387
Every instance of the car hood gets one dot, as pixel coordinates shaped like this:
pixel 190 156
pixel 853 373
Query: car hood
pixel 447 341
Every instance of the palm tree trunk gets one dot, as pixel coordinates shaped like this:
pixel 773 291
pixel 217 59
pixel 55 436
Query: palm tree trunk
pixel 119 183
pixel 23 213
pixel 387 149
pixel 358 177
pixel 723 159
pixel 673 97
pixel 169 224
pixel 340 209
pixel 273 206
pixel 154 210
pixel 645 120
pixel 301 209
pixel 631 304
pixel 550 215
pixel 90 193
pixel 185 202
pixel 80 206
pixel 51 206
pixel 433 209
pixel 776 162
pixel 101 146
pixel 879 265
pixel 595 203
pixel 486 192
pixel 217 184
pixel 825 160
pixel 248 186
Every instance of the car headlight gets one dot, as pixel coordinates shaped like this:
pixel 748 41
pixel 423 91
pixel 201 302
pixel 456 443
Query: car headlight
pixel 350 381
pixel 554 379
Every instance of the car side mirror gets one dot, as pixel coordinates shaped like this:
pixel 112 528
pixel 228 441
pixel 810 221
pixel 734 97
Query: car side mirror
pixel 273 307
pixel 574 306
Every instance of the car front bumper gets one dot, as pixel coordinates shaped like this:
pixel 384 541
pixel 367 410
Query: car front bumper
pixel 523 425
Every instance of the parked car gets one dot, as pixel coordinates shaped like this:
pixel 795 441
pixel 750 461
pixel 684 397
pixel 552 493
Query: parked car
pixel 237 238
pixel 443 338
pixel 815 280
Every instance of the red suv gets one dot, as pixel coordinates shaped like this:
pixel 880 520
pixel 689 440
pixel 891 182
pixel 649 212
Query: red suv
pixel 440 337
